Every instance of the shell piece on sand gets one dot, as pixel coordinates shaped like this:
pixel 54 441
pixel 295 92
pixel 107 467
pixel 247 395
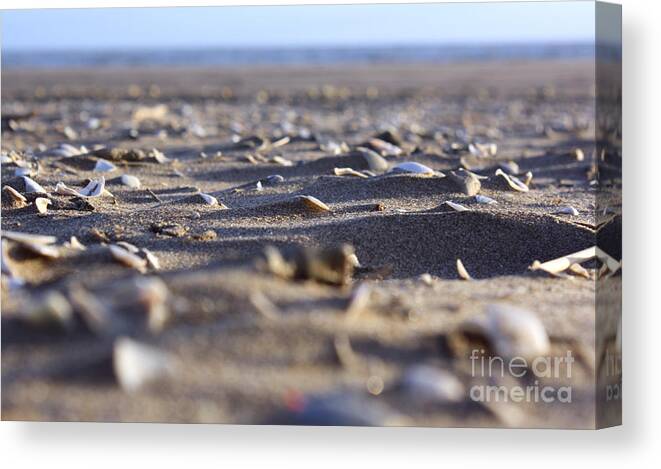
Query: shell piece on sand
pixel 373 160
pixel 412 167
pixel 483 199
pixel 461 270
pixel 208 199
pixel 561 264
pixel 528 178
pixel 37 244
pixel 510 167
pixel 456 207
pixel 151 258
pixel 94 188
pixel 483 150
pixel 429 385
pixel 385 148
pixel 11 198
pixel 515 332
pixel 578 154
pixel 282 161
pixel 130 181
pixel 349 172
pixel 466 181
pixel 32 187
pixel 104 166
pixel 67 150
pixel 512 181
pixel 42 204
pixel 128 258
pixel 313 203
pixel 28 238
pixel 569 210
pixel 137 365
pixel 49 309
pixel 73 243
pixel 272 180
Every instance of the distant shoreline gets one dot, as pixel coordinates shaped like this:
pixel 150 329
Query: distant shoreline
pixel 421 54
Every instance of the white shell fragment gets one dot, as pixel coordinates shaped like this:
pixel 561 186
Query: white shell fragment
pixel 32 186
pixel 569 210
pixel 42 204
pixel 130 181
pixel 483 199
pixel 412 167
pixel 104 166
pixel 456 207
pixel 28 238
pixel 349 172
pixel 66 150
pixel 512 181
pixel 95 188
pixel 483 150
pixel 15 195
pixel 128 258
pixel 313 203
pixel 563 263
pixel 461 270
pixel 137 365
pixel 429 385
pixel 515 332
pixel 208 199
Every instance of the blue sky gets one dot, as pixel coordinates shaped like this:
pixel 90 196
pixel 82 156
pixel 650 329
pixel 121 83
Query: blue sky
pixel 298 26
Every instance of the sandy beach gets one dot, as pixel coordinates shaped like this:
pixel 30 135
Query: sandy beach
pixel 246 275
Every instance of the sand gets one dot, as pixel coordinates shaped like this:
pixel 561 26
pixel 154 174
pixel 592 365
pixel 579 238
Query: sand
pixel 244 345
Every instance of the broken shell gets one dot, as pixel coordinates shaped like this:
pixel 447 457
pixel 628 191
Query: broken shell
pixel 28 238
pixel 11 198
pixel 426 278
pixel 461 270
pixel 512 181
pixel 385 148
pixel 483 199
pixel 42 204
pixel 127 258
pixel 137 365
pixel 510 167
pixel 373 160
pixel 151 258
pixel 66 150
pixel 516 332
pixel 130 181
pixel 51 309
pixel 208 199
pixel 569 210
pixel 578 154
pixel 348 172
pixel 466 181
pixel 32 186
pixel 528 178
pixel 104 166
pixel 282 161
pixel 75 244
pixel 94 188
pixel 313 203
pixel 412 167
pixel 272 180
pixel 430 385
pixel 456 207
pixel 483 150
